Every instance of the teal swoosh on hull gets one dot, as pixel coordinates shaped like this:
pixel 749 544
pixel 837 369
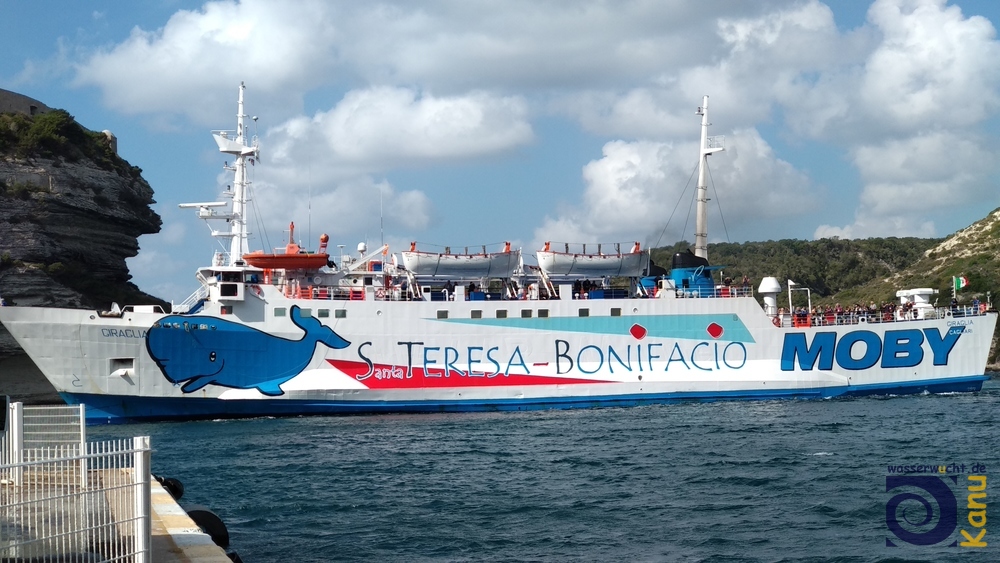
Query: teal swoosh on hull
pixel 690 327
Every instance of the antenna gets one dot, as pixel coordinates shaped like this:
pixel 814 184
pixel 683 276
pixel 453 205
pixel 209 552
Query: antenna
pixel 381 220
pixel 309 204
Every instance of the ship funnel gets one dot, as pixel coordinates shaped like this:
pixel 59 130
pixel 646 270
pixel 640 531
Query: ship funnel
pixel 769 289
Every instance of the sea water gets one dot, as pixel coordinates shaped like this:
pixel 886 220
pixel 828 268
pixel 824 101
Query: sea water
pixel 784 480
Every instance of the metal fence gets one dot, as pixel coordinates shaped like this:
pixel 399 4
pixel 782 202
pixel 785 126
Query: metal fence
pixel 67 500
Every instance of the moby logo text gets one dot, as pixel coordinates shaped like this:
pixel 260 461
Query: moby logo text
pixel 863 349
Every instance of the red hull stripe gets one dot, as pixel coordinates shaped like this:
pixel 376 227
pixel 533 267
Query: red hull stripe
pixel 384 376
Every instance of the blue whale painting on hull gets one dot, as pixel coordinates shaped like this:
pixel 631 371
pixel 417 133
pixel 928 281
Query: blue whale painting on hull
pixel 198 351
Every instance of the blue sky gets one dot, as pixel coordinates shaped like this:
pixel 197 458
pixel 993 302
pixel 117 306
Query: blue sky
pixel 468 123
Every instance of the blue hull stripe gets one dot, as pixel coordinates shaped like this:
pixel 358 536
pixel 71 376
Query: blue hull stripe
pixel 104 409
pixel 691 327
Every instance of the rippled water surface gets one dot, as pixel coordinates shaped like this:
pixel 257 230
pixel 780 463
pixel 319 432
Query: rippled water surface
pixel 737 481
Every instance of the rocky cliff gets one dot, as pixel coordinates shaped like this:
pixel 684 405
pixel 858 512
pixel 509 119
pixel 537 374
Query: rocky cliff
pixel 71 211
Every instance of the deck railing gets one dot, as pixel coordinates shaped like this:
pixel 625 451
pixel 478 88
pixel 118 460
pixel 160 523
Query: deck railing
pixel 192 301
pixel 787 320
pixel 62 499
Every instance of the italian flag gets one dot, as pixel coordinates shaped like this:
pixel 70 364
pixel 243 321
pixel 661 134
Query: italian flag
pixel 960 282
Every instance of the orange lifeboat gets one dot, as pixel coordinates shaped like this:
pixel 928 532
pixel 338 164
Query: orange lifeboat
pixel 293 258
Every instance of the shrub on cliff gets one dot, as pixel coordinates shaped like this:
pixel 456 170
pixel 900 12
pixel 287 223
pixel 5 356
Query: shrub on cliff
pixel 55 134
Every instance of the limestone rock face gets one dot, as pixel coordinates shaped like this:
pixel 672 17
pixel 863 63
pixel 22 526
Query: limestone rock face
pixel 66 228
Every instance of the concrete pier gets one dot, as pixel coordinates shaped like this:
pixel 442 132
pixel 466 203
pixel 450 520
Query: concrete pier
pixel 175 536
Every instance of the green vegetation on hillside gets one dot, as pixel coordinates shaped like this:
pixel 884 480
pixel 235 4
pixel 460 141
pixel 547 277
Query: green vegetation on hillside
pixel 55 134
pixel 826 266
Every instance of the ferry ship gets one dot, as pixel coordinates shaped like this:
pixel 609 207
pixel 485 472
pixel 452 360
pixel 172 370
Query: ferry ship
pixel 291 332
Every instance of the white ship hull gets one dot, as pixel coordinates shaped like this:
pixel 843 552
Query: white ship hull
pixel 404 357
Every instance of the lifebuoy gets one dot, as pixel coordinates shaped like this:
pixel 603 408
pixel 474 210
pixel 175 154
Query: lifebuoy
pixel 380 293
pixel 776 321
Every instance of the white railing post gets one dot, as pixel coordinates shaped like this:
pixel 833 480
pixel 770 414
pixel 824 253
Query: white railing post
pixel 83 446
pixel 17 442
pixel 143 519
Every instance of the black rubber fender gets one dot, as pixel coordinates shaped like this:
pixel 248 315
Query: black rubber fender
pixel 210 523
pixel 173 487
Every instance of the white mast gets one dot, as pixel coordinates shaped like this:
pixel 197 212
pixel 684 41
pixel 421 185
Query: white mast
pixel 708 146
pixel 234 143
pixel 239 148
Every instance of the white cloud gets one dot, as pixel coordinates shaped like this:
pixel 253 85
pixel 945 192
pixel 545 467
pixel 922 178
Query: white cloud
pixel 379 128
pixel 866 225
pixel 448 81
pixel 386 124
pixel 909 114
pixel 347 207
pixel 331 159
pixel 636 186
pixel 929 171
pixel 191 65
pixel 526 45
pixel 933 67
pixel 909 180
